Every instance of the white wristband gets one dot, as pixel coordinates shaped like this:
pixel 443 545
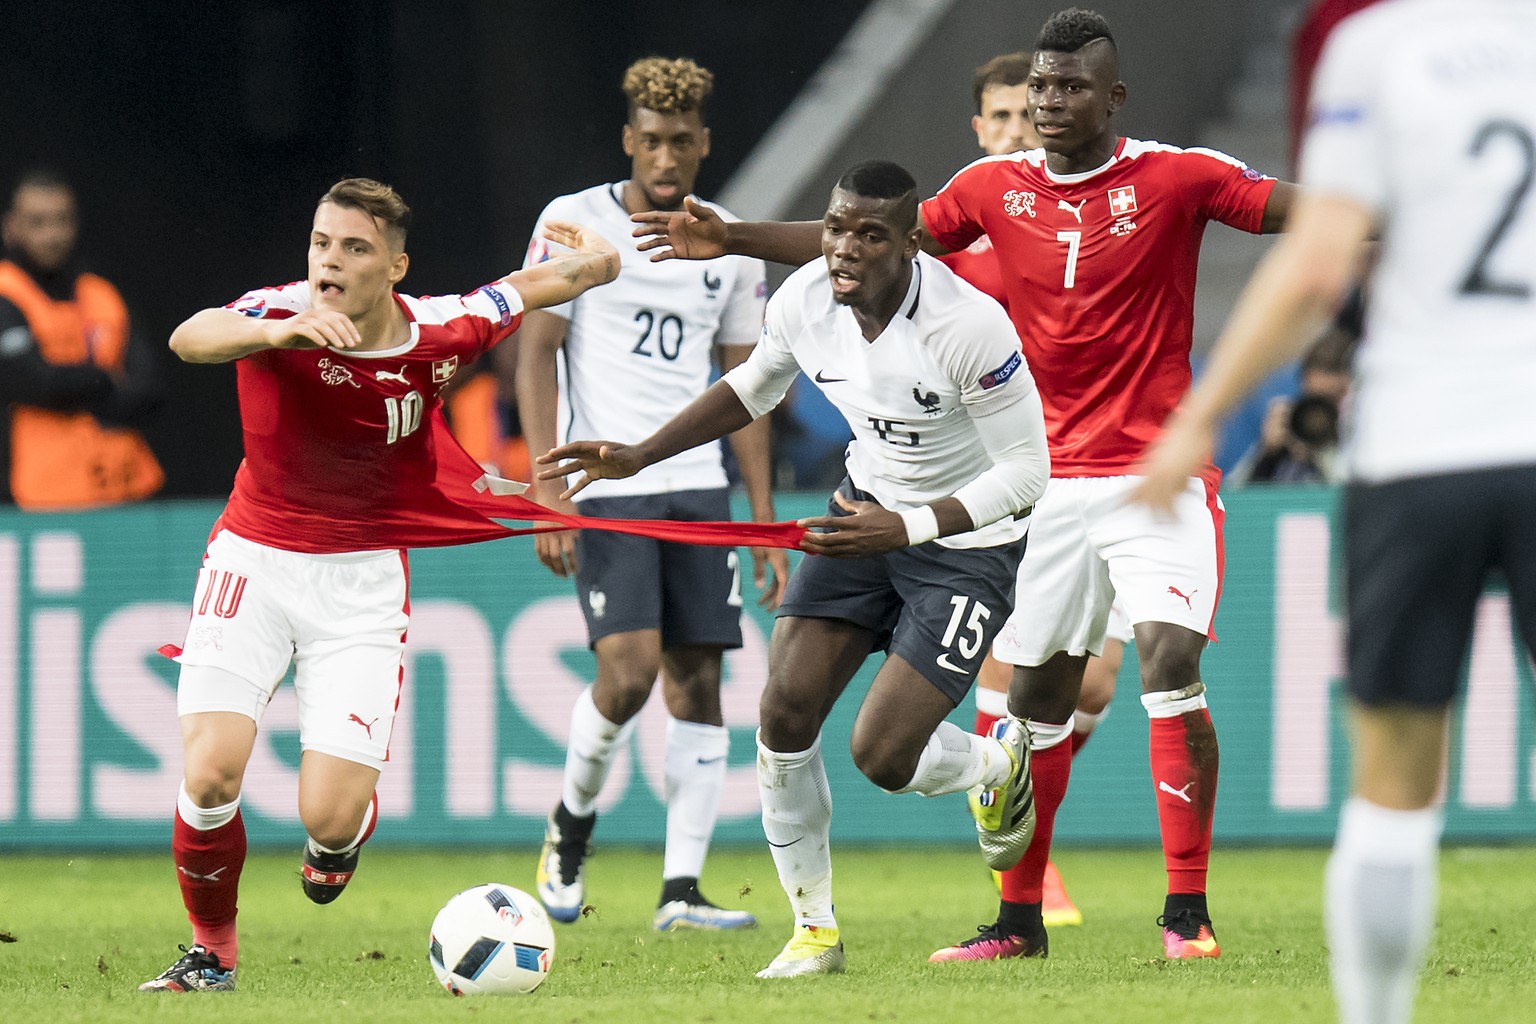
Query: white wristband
pixel 922 525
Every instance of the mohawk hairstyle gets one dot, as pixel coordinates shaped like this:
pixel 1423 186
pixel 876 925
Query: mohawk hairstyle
pixel 1009 69
pixel 667 86
pixel 1072 29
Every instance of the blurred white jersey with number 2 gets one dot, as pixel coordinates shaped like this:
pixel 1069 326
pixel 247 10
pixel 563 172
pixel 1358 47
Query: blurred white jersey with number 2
pixel 1423 111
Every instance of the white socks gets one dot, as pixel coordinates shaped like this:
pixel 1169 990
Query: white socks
pixel 695 774
pixel 204 819
pixel 955 761
pixel 1173 703
pixel 588 755
pixel 797 819
pixel 1380 895
pixel 992 702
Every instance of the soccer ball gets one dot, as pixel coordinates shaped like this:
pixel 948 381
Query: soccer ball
pixel 491 940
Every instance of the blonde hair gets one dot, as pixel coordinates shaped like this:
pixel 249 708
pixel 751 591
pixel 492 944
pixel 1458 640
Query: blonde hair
pixel 667 86
pixel 377 200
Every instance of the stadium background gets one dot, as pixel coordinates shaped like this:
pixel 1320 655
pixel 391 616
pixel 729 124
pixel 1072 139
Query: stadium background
pixel 199 137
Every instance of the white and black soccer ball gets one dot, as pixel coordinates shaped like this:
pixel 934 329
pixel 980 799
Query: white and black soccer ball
pixel 491 940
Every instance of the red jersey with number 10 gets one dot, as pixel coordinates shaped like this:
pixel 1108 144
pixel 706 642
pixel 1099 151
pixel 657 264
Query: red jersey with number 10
pixel 340 450
pixel 1099 270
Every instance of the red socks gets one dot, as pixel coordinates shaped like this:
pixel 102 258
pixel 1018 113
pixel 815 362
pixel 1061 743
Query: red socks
pixel 1185 760
pixel 1051 769
pixel 208 867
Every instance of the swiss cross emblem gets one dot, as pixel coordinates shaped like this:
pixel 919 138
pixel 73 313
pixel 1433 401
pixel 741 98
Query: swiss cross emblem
pixel 444 369
pixel 1122 200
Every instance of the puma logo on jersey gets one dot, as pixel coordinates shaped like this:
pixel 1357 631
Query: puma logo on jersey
pixel 367 726
pixel 929 401
pixel 398 378
pixel 335 373
pixel 212 876
pixel 1176 592
pixel 1182 793
pixel 1075 211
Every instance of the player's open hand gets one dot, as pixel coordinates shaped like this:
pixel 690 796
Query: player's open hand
pixel 582 239
pixel 1172 459
pixel 770 572
pixel 693 233
pixel 315 328
pixel 596 460
pixel 869 529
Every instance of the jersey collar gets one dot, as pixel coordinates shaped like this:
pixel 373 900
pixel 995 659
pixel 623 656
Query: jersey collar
pixel 1073 179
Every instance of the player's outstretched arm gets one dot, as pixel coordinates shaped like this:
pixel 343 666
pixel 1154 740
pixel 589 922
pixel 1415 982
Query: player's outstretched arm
pixel 711 416
pixel 1278 210
pixel 222 335
pixel 698 233
pixel 1297 288
pixel 593 261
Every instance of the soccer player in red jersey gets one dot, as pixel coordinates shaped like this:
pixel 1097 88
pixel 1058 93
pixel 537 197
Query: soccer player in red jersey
pixel 1099 237
pixel 1002 125
pixel 339 377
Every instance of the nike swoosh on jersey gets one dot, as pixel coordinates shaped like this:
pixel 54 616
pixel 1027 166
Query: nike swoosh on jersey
pixel 828 380
pixel 947 665
pixel 711 760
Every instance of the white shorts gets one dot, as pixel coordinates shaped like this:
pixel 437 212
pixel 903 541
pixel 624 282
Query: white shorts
pixel 338 618
pixel 1089 546
pixel 1119 625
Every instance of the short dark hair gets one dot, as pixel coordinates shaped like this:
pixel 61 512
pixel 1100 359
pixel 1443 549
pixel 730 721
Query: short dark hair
pixel 1072 29
pixel 377 200
pixel 1008 69
pixel 881 179
pixel 38 177
pixel 877 179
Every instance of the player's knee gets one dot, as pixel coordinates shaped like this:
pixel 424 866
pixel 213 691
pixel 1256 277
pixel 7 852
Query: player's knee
pixel 1169 667
pixel 788 723
pixel 333 827
pixel 621 691
pixel 211 783
pixel 889 769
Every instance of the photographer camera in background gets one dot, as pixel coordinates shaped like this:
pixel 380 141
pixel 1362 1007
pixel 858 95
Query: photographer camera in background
pixel 1300 440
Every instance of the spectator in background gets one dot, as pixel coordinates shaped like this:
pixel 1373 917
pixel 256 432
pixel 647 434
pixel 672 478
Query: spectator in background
pixel 1300 441
pixel 73 385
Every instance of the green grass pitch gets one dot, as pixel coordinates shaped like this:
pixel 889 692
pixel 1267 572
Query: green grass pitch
pixel 80 932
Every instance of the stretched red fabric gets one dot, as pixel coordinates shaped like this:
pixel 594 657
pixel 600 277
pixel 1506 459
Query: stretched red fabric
pixel 465 483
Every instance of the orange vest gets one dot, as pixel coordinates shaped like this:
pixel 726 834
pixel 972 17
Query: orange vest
pixel 68 459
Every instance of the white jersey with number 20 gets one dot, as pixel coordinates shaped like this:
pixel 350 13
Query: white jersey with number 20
pixel 640 349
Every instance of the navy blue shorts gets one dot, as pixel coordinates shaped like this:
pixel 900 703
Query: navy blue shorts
pixel 690 592
pixel 936 607
pixel 1419 553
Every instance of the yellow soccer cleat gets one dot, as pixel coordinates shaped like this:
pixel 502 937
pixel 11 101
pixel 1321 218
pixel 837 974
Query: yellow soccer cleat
pixel 1005 815
pixel 812 950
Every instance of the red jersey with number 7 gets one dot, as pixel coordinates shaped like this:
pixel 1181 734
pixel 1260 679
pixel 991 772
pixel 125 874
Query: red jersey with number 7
pixel 340 454
pixel 1099 270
